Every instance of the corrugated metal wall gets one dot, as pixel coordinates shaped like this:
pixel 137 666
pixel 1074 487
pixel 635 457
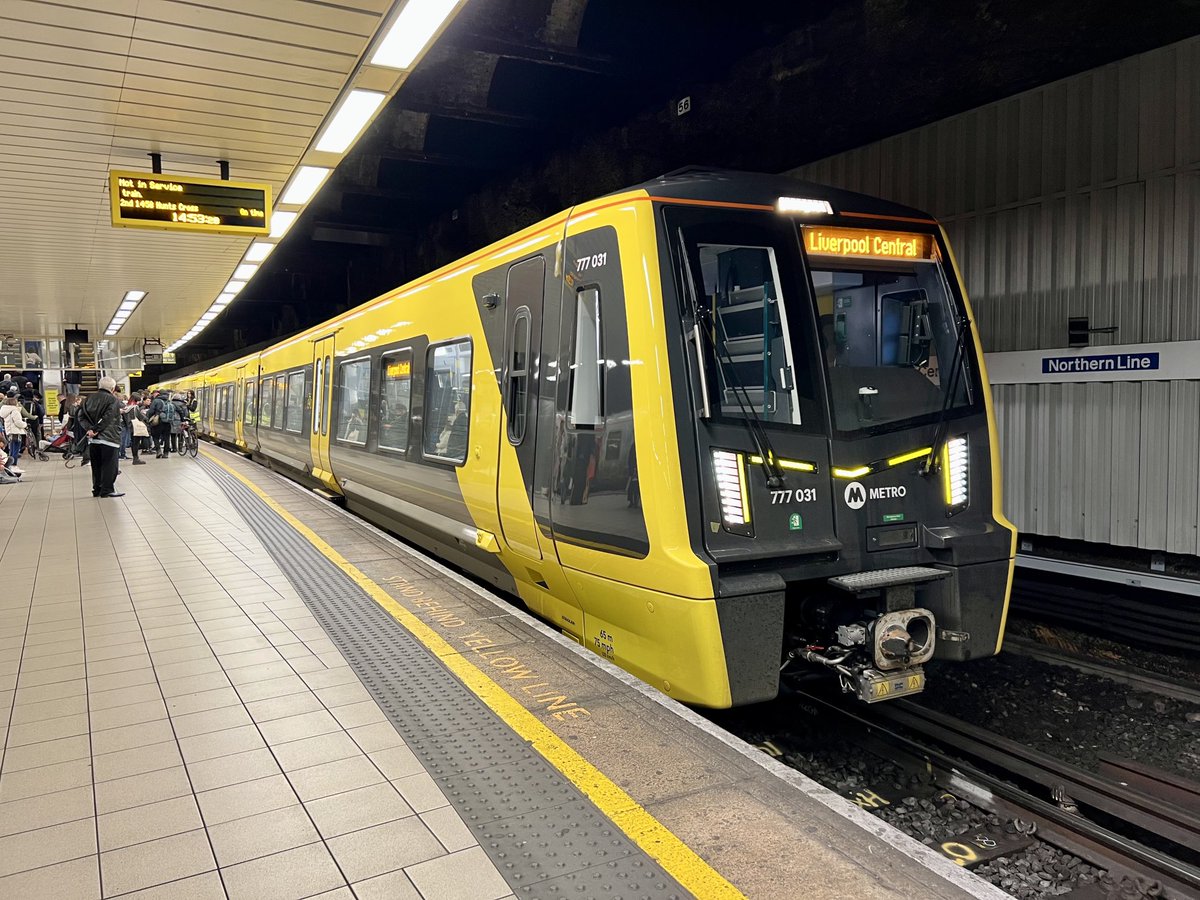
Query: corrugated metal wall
pixel 1081 197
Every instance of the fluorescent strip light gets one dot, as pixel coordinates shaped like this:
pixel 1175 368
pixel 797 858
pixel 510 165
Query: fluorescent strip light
pixel 224 299
pixel 281 222
pixel 259 251
pixel 354 112
pixel 134 296
pixel 245 272
pixel 110 332
pixel 411 31
pixel 303 185
pixel 233 287
pixel 128 305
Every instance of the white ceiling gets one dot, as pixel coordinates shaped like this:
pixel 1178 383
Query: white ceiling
pixel 92 85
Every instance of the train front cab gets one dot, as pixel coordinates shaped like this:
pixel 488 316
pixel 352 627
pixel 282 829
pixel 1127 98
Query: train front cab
pixel 845 486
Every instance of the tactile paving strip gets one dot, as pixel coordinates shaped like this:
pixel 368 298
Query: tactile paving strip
pixel 545 838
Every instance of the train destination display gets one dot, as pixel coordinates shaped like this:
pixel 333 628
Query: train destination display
pixel 186 203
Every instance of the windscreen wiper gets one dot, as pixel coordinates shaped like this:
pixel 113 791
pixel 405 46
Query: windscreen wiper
pixel 754 425
pixel 957 366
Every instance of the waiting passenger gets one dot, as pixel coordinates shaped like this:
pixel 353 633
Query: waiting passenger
pixel 14 429
pixel 101 413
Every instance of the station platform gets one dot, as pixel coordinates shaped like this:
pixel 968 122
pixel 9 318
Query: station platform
pixel 222 685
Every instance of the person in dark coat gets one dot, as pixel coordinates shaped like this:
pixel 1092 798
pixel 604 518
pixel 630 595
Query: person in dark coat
pixel 160 427
pixel 101 414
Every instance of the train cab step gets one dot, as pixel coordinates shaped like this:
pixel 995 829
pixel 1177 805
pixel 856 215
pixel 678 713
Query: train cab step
pixel 858 582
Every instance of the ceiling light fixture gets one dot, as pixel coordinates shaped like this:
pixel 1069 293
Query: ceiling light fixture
pixel 129 302
pixel 259 251
pixel 412 30
pixel 233 287
pixel 304 184
pixel 245 272
pixel 355 110
pixel 281 222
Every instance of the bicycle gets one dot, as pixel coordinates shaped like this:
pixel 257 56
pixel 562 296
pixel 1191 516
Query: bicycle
pixel 191 443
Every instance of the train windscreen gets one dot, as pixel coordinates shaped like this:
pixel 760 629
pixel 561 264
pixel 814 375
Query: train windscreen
pixel 889 329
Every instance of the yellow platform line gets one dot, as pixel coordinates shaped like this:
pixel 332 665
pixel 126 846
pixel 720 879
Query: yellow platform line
pixel 659 842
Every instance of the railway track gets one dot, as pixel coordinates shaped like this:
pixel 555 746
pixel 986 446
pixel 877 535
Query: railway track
pixel 1139 824
pixel 1154 684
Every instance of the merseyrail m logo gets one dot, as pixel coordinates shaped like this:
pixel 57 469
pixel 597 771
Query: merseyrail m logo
pixel 855 495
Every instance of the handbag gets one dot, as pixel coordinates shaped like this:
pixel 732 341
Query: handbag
pixel 154 419
pixel 139 428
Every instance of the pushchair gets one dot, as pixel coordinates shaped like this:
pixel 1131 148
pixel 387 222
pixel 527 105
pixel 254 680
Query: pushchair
pixel 60 443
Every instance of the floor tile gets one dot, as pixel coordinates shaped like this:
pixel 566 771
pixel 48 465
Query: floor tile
pixel 247 798
pixel 420 792
pixel 263 834
pixel 206 886
pixel 78 879
pixel 390 886
pixel 138 790
pixel 44 780
pixel 200 747
pixel 466 875
pixel 293 728
pixel 290 875
pixel 336 777
pixel 156 862
pixel 185 704
pixel 448 827
pixel 47 846
pixel 133 714
pixel 283 707
pixel 136 760
pixel 383 848
pixel 235 769
pixel 206 722
pixel 361 808
pixel 127 737
pixel 47 730
pixel 314 751
pixel 59 750
pixel 147 823
pixel 45 810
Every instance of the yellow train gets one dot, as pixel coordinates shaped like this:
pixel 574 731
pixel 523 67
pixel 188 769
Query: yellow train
pixel 713 427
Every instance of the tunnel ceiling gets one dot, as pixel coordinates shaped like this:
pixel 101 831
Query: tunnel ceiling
pixel 526 106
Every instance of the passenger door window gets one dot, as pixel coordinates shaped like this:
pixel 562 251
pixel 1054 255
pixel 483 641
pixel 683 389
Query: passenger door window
pixel 354 389
pixel 295 402
pixel 518 377
pixel 395 400
pixel 587 363
pixel 280 401
pixel 447 401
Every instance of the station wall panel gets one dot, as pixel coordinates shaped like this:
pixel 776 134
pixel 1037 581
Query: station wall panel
pixel 1077 198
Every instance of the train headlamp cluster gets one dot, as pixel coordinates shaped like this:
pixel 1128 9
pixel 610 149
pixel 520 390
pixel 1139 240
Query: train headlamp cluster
pixel 956 470
pixel 729 469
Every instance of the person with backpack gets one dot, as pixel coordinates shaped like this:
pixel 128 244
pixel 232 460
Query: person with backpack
pixel 135 424
pixel 181 413
pixel 34 412
pixel 162 412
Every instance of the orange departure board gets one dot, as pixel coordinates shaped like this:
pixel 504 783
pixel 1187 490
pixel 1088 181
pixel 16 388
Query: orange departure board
pixel 185 203
pixel 867 242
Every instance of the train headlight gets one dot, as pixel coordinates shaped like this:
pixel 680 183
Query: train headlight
pixel 956 470
pixel 729 469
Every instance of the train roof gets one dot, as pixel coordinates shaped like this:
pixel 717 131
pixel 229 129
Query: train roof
pixel 756 188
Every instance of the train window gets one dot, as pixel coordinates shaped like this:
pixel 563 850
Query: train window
pixel 890 336
pixel 395 400
pixel 294 419
pixel 318 399
pixel 447 401
pixel 266 402
pixel 353 390
pixel 280 401
pixel 587 363
pixel 518 377
pixel 250 410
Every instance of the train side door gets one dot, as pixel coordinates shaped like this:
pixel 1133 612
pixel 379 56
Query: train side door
pixel 321 409
pixel 519 387
pixel 238 393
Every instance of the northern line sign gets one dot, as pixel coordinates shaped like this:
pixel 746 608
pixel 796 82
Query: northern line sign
pixel 185 203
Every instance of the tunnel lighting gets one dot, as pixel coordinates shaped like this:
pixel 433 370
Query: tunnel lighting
pixel 223 300
pixel 730 473
pixel 956 471
pixel 245 272
pixel 259 251
pixel 352 114
pixel 412 30
pixel 303 185
pixel 233 287
pixel 804 205
pixel 281 222
pixel 134 297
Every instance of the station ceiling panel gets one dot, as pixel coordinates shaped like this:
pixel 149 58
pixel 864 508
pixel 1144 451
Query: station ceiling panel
pixel 93 85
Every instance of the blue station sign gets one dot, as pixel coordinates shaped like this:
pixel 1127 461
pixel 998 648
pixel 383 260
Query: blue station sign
pixel 1108 362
